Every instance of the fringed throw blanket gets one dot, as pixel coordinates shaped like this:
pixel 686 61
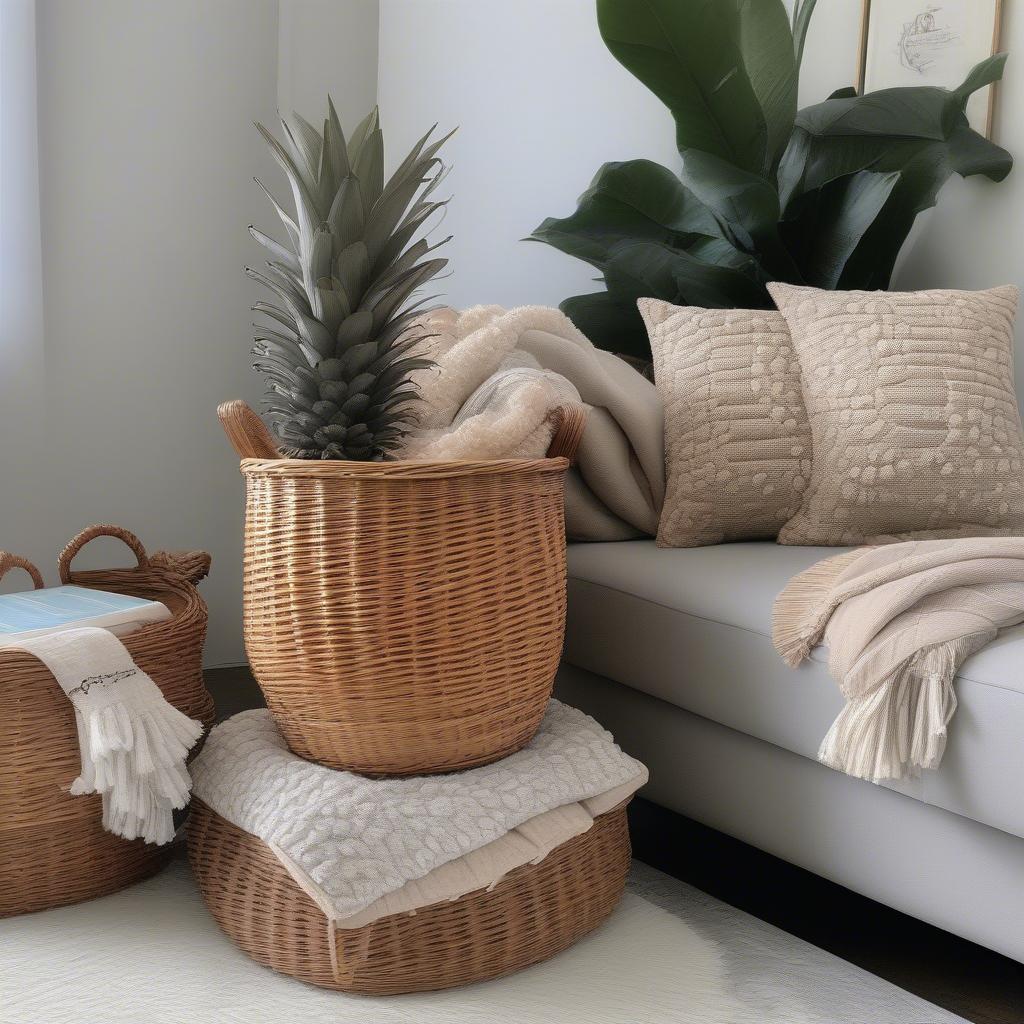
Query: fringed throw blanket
pixel 498 377
pixel 133 743
pixel 898 622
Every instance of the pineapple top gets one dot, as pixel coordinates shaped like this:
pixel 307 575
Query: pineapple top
pixel 336 351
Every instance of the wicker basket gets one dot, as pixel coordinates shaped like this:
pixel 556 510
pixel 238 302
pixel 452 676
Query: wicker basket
pixel 52 848
pixel 533 913
pixel 403 617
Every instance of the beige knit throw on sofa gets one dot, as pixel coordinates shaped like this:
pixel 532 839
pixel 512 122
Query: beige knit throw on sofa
pixel 898 622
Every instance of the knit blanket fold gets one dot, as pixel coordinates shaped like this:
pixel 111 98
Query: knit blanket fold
pixel 363 848
pixel 898 622
pixel 497 377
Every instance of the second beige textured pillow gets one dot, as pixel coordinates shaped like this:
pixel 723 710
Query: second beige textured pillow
pixel 913 414
pixel 737 443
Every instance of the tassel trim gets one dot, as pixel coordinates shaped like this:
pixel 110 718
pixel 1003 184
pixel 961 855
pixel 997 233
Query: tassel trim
pixel 900 727
pixel 802 610
pixel 133 754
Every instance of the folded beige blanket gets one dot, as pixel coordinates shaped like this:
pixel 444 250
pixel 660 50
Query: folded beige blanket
pixel 498 376
pixel 528 843
pixel 899 621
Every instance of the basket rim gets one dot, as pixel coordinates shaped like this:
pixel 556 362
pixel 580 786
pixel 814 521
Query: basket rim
pixel 405 470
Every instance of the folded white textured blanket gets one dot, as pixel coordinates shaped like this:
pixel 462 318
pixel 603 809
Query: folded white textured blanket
pixel 358 845
pixel 499 375
pixel 132 742
pixel 899 621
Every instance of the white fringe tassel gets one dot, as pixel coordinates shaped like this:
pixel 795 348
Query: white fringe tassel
pixel 900 727
pixel 801 611
pixel 132 742
pixel 133 753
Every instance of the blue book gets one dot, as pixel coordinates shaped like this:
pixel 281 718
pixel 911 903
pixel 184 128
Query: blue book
pixel 36 612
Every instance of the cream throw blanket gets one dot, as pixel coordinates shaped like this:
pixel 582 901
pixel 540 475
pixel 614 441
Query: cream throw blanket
pixel 499 376
pixel 365 848
pixel 899 621
pixel 133 743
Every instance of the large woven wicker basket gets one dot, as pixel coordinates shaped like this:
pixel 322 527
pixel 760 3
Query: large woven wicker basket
pixel 403 617
pixel 533 913
pixel 53 850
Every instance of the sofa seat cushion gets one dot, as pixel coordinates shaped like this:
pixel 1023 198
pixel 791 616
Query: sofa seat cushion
pixel 692 626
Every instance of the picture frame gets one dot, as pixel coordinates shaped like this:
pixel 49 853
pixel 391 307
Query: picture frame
pixel 930 42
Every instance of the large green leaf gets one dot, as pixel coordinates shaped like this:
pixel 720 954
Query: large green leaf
pixel 920 180
pixel 884 131
pixel 643 269
pixel 802 11
pixel 971 153
pixel 613 325
pixel 687 53
pixel 638 199
pixel 746 207
pixel 987 72
pixel 833 222
pixel 766 48
pixel 640 269
pixel 834 211
pixel 920 133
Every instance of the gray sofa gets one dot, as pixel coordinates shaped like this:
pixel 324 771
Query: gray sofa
pixel 670 649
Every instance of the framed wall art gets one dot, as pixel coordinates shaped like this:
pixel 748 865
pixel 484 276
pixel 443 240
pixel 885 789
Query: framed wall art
pixel 930 42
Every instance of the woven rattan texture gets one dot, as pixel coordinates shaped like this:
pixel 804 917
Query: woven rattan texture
pixel 52 848
pixel 913 413
pixel 404 618
pixel 533 913
pixel 737 440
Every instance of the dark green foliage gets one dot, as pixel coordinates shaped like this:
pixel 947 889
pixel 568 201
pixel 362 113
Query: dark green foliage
pixel 824 196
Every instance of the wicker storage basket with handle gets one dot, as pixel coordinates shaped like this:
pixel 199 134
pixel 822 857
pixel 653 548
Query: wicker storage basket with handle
pixel 534 912
pixel 53 849
pixel 403 617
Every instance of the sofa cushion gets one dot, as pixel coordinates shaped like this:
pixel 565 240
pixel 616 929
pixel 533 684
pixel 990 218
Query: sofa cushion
pixel 914 420
pixel 737 440
pixel 692 627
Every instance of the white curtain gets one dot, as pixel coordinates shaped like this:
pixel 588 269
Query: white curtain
pixel 20 284
pixel 23 418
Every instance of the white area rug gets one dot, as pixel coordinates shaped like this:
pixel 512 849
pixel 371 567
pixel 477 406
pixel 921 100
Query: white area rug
pixel 669 955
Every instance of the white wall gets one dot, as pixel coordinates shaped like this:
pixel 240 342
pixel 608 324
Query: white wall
pixel 540 104
pixel 147 153
pixel 23 418
pixel 328 46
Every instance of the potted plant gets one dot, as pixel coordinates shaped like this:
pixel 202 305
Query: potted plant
pixel 823 196
pixel 400 617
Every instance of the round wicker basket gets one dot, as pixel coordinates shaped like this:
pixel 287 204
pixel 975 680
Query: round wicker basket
pixel 403 617
pixel 53 850
pixel 533 913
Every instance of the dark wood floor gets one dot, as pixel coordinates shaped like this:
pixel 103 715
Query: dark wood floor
pixel 975 983
pixel 979 985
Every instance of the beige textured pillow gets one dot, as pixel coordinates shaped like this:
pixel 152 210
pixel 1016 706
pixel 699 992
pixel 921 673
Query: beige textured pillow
pixel 737 443
pixel 913 414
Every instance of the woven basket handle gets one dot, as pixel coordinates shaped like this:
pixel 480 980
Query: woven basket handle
pixel 9 562
pixel 191 566
pixel 247 433
pixel 569 423
pixel 102 530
